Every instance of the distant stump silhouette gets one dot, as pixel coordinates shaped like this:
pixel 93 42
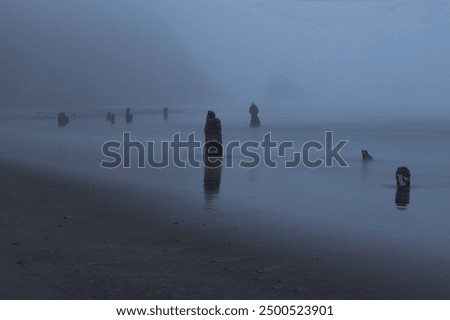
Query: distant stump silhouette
pixel 366 156
pixel 254 121
pixel 63 119
pixel 128 116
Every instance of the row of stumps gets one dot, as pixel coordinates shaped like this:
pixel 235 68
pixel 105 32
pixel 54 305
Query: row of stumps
pixel 111 117
pixel 129 116
pixel 214 150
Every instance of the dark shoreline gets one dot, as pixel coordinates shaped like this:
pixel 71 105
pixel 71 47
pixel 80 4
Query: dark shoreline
pixel 66 240
pixel 62 240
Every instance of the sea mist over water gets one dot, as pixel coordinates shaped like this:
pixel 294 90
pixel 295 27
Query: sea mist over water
pixel 347 208
pixel 343 55
pixel 374 73
pixel 84 53
pixel 360 54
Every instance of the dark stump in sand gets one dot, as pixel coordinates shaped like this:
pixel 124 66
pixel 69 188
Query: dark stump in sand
pixel 128 116
pixel 63 119
pixel 403 177
pixel 166 113
pixel 111 117
pixel 213 136
pixel 254 121
pixel 366 155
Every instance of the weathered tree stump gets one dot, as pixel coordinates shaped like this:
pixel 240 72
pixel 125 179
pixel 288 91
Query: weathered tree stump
pixel 254 121
pixel 213 136
pixel 366 156
pixel 403 177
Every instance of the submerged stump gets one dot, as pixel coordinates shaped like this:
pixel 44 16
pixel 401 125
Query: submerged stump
pixel 403 177
pixel 63 119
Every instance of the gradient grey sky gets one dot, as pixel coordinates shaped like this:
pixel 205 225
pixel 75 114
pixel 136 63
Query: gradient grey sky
pixel 339 52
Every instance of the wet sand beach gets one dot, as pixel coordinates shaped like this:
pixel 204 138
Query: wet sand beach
pixel 63 239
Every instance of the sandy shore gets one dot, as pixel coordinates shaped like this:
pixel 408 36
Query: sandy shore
pixel 66 240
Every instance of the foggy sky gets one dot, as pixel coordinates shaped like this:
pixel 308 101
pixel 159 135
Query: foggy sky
pixel 359 53
pixel 367 53
pixel 94 53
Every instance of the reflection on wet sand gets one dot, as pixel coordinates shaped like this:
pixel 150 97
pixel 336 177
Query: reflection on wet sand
pixel 402 198
pixel 211 182
pixel 365 171
pixel 252 174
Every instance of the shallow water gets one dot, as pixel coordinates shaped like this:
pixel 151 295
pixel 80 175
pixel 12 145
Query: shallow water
pixel 357 201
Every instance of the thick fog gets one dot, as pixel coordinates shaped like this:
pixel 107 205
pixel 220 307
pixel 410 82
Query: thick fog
pixel 91 53
pixel 363 53
pixel 336 53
